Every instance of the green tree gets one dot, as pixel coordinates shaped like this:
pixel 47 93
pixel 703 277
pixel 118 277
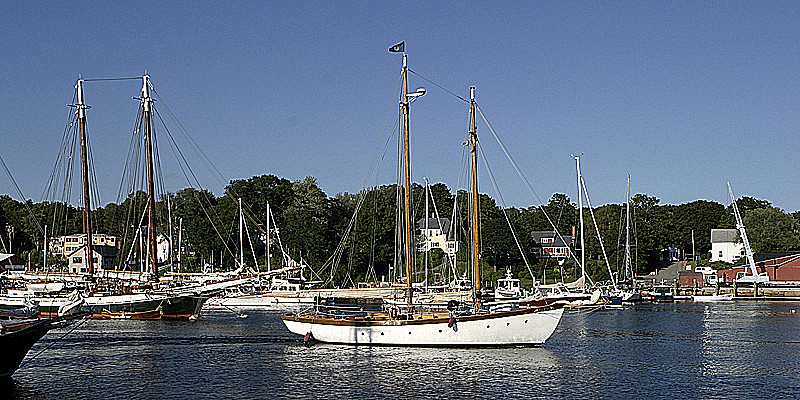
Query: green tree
pixel 770 230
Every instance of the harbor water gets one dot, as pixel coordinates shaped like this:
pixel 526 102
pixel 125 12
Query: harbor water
pixel 728 350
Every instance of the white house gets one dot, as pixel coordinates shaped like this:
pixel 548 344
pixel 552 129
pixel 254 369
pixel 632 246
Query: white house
pixel 73 249
pixel 436 235
pixel 548 244
pixel 726 245
pixel 103 259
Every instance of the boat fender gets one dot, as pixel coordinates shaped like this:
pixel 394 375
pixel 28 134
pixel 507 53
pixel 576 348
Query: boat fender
pixel 394 312
pixel 452 320
pixel 307 338
pixel 452 305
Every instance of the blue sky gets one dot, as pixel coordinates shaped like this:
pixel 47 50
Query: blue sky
pixel 683 95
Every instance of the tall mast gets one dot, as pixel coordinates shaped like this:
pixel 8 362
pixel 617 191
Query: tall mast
pixel 628 231
pixel 180 242
pixel 87 204
pixel 44 264
pixel 473 141
pixel 580 216
pixel 427 227
pixel 171 248
pixel 147 103
pixel 269 269
pixel 407 194
pixel 241 235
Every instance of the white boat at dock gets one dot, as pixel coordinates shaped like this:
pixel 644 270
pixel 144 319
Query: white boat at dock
pixel 713 297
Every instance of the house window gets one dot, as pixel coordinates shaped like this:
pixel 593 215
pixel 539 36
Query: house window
pixel 77 260
pixel 547 240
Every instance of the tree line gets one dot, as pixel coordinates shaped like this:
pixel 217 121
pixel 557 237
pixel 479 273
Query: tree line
pixel 311 225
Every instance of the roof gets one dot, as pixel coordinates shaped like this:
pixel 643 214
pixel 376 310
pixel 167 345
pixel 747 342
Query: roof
pixel 433 223
pixel 759 257
pixel 557 241
pixel 105 251
pixel 724 236
pixel 5 256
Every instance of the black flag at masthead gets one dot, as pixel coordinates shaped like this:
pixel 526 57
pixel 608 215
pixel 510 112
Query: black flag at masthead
pixel 398 48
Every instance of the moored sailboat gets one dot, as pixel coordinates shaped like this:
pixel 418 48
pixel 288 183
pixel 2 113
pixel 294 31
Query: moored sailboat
pixel 470 325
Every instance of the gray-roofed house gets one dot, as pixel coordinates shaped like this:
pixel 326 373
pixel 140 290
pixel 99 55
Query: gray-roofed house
pixel 436 235
pixel 547 244
pixel 726 245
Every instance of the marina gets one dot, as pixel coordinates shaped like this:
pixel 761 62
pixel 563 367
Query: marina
pixel 441 200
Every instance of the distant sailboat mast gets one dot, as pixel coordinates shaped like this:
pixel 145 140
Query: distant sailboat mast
pixel 147 103
pixel 473 142
pixel 87 204
pixel 580 215
pixel 628 268
pixel 407 193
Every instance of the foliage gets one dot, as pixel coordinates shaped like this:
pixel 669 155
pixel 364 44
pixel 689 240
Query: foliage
pixel 311 225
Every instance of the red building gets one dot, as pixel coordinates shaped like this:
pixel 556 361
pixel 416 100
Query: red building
pixel 782 269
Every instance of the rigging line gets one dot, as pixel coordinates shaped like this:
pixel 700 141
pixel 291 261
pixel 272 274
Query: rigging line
pixel 437 85
pixel 171 141
pixel 252 249
pixel 70 121
pixel 215 172
pixel 572 326
pixel 439 221
pixel 597 229
pixel 29 359
pixel 619 241
pixel 130 171
pixel 335 258
pixel 132 153
pixel 192 143
pixel 505 214
pixel 195 193
pixel 24 199
pixel 113 79
pixel 92 175
pixel 525 180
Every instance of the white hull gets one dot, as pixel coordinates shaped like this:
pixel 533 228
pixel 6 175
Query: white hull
pixel 717 297
pixel 501 329
pixel 261 302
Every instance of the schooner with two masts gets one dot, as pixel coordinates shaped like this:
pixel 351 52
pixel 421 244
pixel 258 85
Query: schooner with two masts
pixel 182 302
pixel 474 326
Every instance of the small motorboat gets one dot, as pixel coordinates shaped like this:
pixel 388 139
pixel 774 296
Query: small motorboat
pixel 713 297
pixel 152 314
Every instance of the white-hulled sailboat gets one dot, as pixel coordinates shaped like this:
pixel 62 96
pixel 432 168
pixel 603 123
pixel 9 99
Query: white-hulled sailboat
pixel 474 326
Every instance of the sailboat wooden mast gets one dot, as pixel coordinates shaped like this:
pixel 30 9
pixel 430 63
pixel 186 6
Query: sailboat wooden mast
pixel 473 142
pixel 147 103
pixel 87 204
pixel 407 192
